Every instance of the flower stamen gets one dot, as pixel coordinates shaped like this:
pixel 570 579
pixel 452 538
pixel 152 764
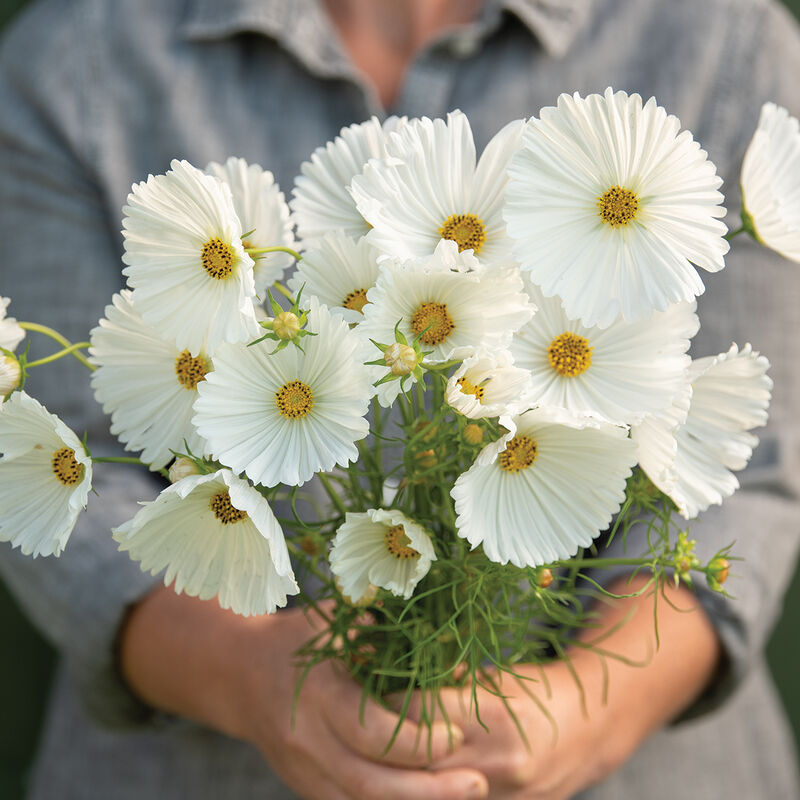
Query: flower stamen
pixel 224 510
pixel 190 369
pixel 294 400
pixel 217 258
pixel 398 544
pixel 66 467
pixel 466 230
pixel 356 300
pixel 467 387
pixel 569 354
pixel 519 454
pixel 618 206
pixel 434 320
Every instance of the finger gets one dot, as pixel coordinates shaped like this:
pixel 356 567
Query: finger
pixel 370 734
pixel 377 782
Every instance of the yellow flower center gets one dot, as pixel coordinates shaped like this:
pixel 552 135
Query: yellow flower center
pixel 397 543
pixel 569 354
pixel 618 206
pixel 519 454
pixel 223 509
pixel 66 467
pixel 294 400
pixel 190 369
pixel 356 300
pixel 433 319
pixel 217 258
pixel 470 388
pixel 466 230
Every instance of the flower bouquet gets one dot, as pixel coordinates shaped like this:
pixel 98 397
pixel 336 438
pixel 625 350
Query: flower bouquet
pixel 476 378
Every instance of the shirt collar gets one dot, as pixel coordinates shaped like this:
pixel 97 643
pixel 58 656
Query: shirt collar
pixel 302 26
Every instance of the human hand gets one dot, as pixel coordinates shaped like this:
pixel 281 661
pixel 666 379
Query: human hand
pixel 576 737
pixel 238 676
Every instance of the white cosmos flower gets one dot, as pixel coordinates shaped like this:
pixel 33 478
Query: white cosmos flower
pixel 381 547
pixel 282 416
pixel 771 181
pixel 618 373
pixel 456 313
pixel 185 261
pixel 431 187
pixel 548 487
pixel 262 210
pixel 488 384
pixel 339 271
pixel 146 384
pixel 610 205
pixel 215 535
pixel 45 477
pixel 730 395
pixel 655 440
pixel 10 332
pixel 321 201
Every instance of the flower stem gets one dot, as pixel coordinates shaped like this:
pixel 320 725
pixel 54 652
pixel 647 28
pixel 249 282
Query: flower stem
pixel 257 251
pixel 331 492
pixel 283 290
pixel 127 460
pixel 64 342
pixel 67 351
pixel 731 234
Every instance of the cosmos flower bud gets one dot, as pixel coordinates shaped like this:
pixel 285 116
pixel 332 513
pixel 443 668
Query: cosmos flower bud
pixel 544 577
pixel 286 325
pixel 10 375
pixel 718 569
pixel 182 468
pixel 473 434
pixel 400 358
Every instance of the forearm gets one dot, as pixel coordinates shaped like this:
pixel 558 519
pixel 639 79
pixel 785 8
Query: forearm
pixel 182 655
pixel 647 675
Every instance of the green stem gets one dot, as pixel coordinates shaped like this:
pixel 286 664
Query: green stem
pixel 731 234
pixel 283 290
pixel 601 563
pixel 331 492
pixel 64 342
pixel 164 473
pixel 67 351
pixel 257 251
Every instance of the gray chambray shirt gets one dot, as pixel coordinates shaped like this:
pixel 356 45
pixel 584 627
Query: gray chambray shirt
pixel 96 94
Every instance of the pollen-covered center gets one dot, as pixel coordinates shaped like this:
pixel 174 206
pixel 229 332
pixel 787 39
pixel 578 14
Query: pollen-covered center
pixel 398 544
pixel 470 388
pixel 519 454
pixel 217 258
pixel 434 320
pixel 294 400
pixel 190 369
pixel 466 230
pixel 356 300
pixel 66 467
pixel 223 510
pixel 569 354
pixel 618 206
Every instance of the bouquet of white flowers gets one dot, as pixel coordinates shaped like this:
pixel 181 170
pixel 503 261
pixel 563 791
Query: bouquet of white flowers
pixel 478 367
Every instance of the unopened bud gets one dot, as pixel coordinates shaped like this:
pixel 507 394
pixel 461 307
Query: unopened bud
pixel 10 375
pixel 400 358
pixel 473 434
pixel 309 545
pixel 719 569
pixel 544 577
pixel 286 325
pixel 182 468
pixel 427 459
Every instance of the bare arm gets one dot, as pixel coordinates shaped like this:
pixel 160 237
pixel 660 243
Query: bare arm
pixel 237 675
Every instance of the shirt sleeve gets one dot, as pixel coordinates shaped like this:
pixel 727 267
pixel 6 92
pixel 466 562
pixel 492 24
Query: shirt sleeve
pixel 60 265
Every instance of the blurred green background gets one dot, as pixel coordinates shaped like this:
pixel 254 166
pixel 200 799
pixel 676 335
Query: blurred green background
pixel 28 661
